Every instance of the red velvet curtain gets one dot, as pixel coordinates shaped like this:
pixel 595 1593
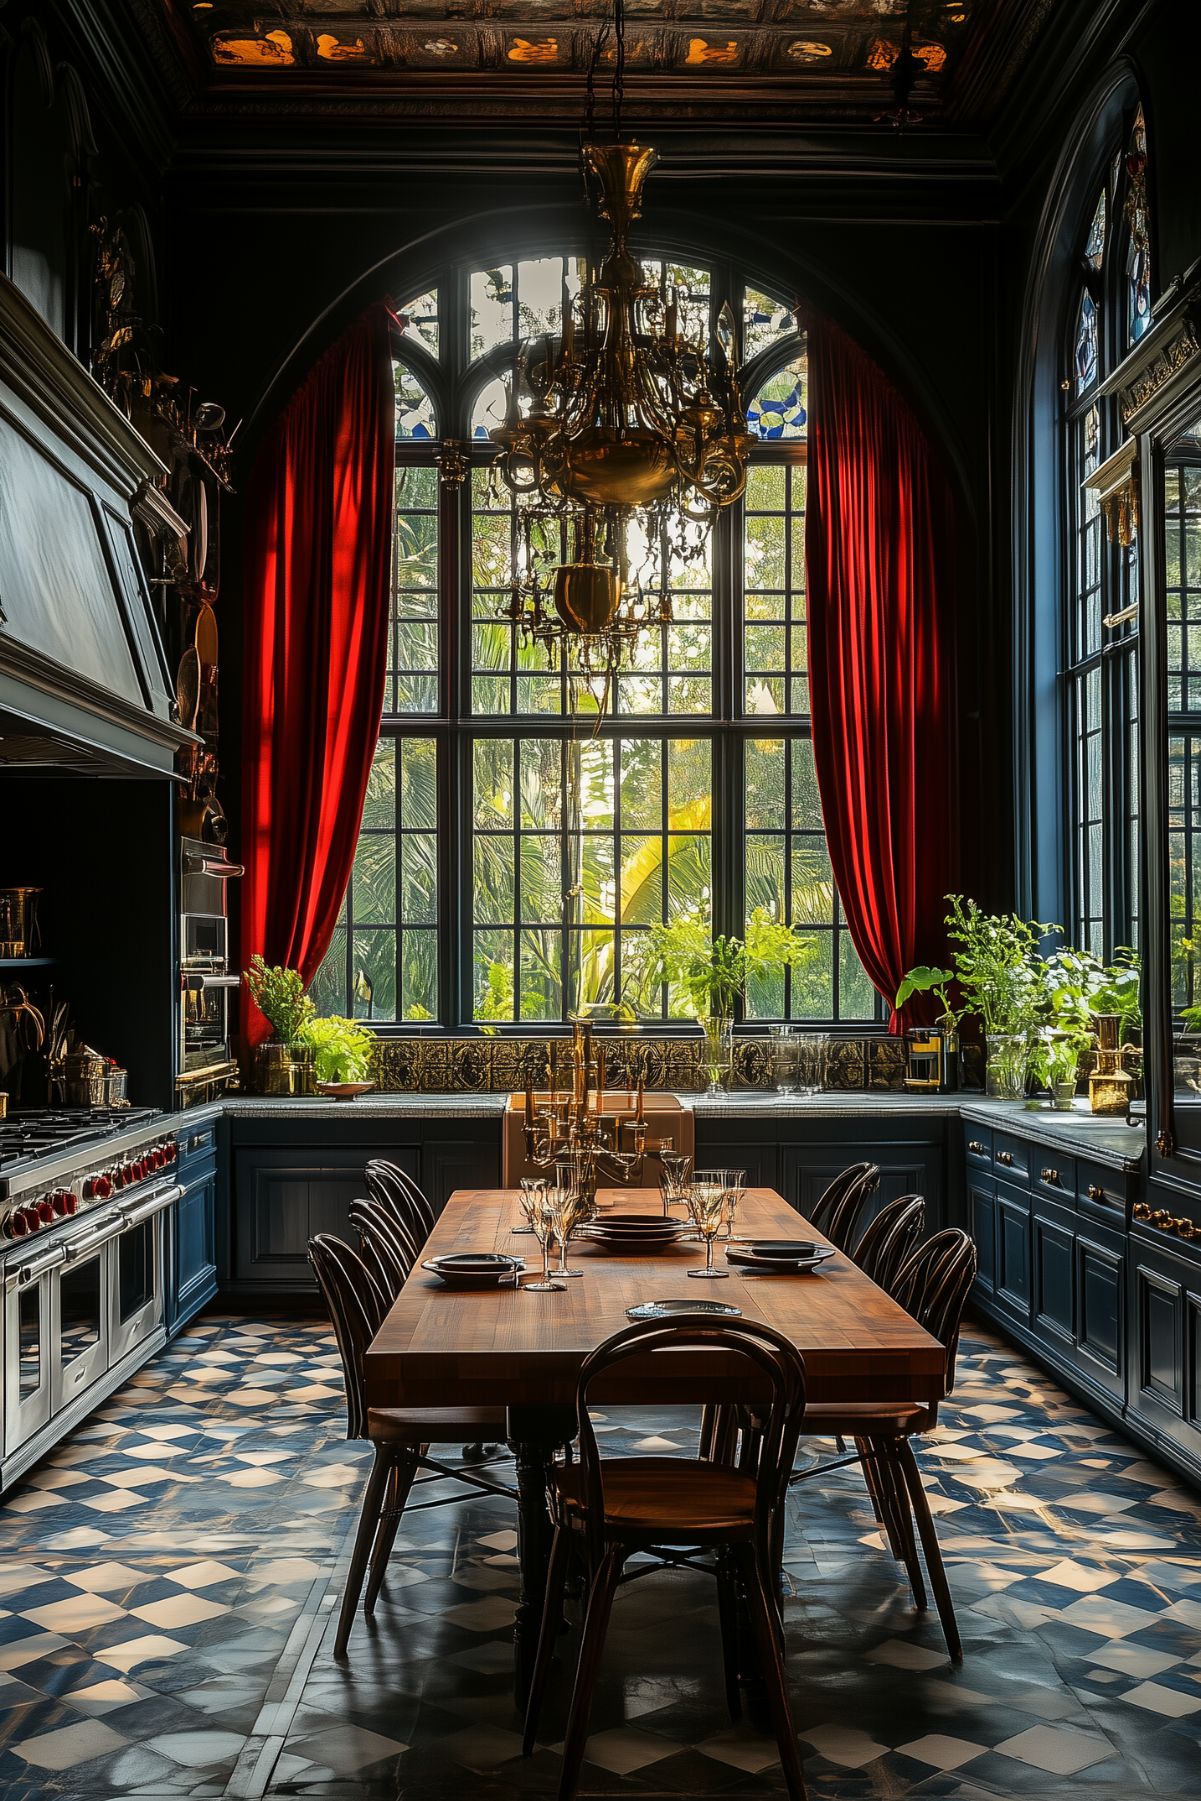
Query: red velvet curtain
pixel 881 617
pixel 318 559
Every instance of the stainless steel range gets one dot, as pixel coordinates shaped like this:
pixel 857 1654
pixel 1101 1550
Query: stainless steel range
pixel 85 1199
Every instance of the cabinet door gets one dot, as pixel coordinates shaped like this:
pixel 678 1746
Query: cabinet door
pixel 1052 1258
pixel 1013 1253
pixel 1101 1310
pixel 720 1144
pixel 282 1198
pixel 1158 1338
pixel 808 1169
pixel 982 1225
pixel 194 1276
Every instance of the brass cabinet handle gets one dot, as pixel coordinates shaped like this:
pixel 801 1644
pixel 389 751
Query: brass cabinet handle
pixel 1005 1157
pixel 1095 1192
pixel 1049 1175
pixel 1187 1228
pixel 974 1144
pixel 1161 1219
pixel 1140 1211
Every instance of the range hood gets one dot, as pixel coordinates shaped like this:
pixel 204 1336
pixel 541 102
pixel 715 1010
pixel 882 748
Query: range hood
pixel 84 684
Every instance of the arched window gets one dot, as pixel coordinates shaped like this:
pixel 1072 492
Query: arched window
pixel 1108 309
pixel 512 862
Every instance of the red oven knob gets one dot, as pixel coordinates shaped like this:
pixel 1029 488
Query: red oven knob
pixel 32 1221
pixel 14 1224
pixel 63 1202
pixel 158 1156
pixel 172 1150
pixel 122 1175
pixel 141 1169
pixel 45 1210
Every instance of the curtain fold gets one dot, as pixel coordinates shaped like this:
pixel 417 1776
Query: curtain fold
pixel 318 562
pixel 880 565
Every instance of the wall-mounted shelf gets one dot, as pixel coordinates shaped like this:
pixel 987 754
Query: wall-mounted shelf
pixel 26 962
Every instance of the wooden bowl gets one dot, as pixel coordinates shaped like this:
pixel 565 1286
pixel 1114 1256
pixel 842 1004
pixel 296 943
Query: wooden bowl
pixel 344 1091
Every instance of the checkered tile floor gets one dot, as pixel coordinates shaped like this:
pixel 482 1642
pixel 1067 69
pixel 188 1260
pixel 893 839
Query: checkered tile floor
pixel 167 1584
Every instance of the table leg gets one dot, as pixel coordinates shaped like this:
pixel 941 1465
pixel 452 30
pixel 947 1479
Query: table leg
pixel 533 1436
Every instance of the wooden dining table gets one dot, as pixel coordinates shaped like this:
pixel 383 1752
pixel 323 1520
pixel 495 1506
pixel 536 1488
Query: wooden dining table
pixel 506 1347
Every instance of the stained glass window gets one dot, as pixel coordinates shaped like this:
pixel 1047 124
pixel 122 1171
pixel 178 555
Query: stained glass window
pixel 780 409
pixel 421 320
pixel 1094 244
pixel 1086 343
pixel 764 322
pixel 415 417
pixel 1138 252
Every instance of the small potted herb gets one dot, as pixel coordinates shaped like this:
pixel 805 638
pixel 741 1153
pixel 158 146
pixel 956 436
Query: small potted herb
pixel 341 1051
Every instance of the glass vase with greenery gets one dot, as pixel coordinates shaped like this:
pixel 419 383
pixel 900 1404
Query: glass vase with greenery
pixel 709 976
pixel 341 1048
pixel 1003 981
pixel 1055 1061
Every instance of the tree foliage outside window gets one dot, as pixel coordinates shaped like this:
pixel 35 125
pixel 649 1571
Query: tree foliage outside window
pixel 515 857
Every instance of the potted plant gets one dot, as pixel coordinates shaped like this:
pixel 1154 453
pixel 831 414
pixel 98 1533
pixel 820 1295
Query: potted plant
pixel 341 1053
pixel 1101 998
pixel 1055 1061
pixel 710 975
pixel 926 979
pixel 1004 983
pixel 279 994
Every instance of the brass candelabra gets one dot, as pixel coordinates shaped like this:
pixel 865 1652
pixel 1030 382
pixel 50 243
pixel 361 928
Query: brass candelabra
pixel 571 1126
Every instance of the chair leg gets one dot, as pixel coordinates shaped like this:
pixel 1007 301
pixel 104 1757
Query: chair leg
pixel 403 1472
pixel 907 1463
pixel 373 1498
pixel 548 1631
pixel 876 1479
pixel 764 1617
pixel 897 1502
pixel 596 1621
pixel 727 1613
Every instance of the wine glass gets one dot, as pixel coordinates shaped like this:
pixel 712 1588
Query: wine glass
pixel 530 1185
pixel 567 1209
pixel 674 1167
pixel 542 1224
pixel 735 1183
pixel 706 1204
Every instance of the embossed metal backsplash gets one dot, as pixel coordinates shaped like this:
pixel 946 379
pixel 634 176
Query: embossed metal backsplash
pixel 469 1065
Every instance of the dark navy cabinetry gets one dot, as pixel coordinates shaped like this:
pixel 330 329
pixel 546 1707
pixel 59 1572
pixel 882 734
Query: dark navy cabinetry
pixel 291 1177
pixel 194 1232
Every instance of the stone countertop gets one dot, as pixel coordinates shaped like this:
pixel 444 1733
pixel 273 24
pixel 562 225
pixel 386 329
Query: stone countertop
pixel 1106 1140
pixel 875 1102
pixel 374 1106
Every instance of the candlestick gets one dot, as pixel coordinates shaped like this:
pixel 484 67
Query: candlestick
pixel 638 1115
pixel 600 1081
pixel 529 1105
pixel 554 1070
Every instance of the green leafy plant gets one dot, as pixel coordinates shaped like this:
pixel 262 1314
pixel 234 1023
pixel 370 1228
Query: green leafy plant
pixel 1080 986
pixel 278 993
pixel 926 979
pixel 341 1048
pixel 1000 973
pixel 1056 1055
pixel 714 973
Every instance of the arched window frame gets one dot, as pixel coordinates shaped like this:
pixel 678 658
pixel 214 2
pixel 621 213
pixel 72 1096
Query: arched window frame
pixel 443 719
pixel 1099 619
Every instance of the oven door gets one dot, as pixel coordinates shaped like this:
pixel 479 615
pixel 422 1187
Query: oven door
pixel 82 1285
pixel 137 1296
pixel 204 1017
pixel 29 1345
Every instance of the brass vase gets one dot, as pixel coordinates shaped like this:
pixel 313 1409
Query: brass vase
pixel 1110 1084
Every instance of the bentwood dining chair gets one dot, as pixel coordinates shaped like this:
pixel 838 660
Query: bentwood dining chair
pixel 609 1509
pixel 890 1239
pixel 933 1286
pixel 401 1436
pixel 385 1245
pixel 388 1183
pixel 840 1208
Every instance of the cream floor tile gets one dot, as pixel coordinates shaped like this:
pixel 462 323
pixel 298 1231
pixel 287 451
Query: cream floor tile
pixel 178 1610
pixel 942 1751
pixel 70 1745
pixel 1056 1749
pixel 1171 1703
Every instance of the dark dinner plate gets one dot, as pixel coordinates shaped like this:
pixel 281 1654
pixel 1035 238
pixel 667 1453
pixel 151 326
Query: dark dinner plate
pixel 473 1269
pixel 743 1257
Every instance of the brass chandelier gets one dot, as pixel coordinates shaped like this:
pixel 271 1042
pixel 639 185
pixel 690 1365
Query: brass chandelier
pixel 621 439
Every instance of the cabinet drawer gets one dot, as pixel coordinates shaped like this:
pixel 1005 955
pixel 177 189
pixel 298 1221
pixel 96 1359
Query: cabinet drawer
pixel 1054 1176
pixel 1101 1193
pixel 1011 1157
pixel 977 1146
pixel 196 1142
